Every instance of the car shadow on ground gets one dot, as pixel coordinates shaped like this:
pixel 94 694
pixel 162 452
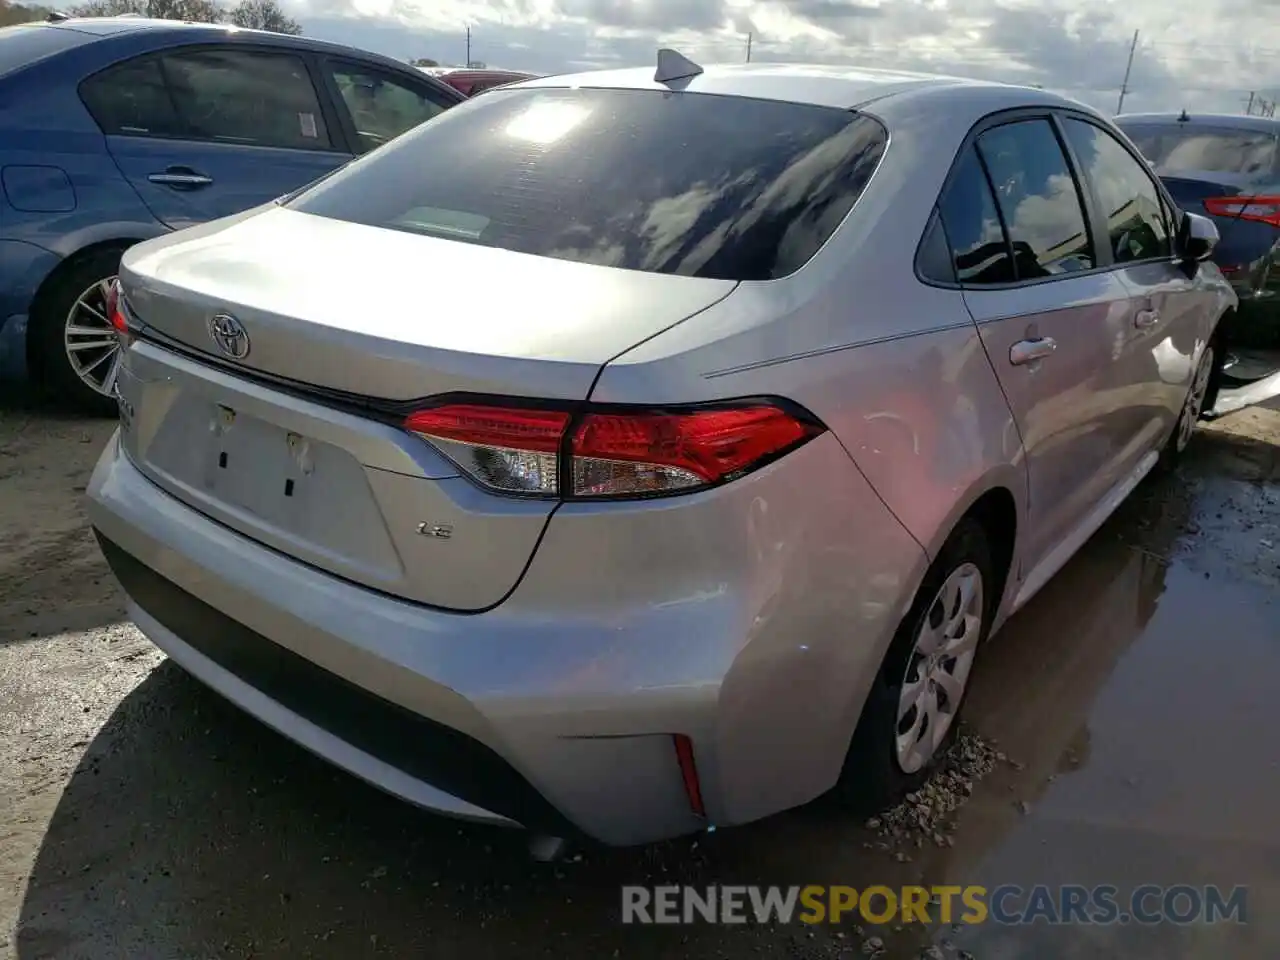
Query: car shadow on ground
pixel 54 578
pixel 190 830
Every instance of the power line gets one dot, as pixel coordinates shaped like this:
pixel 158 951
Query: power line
pixel 1128 69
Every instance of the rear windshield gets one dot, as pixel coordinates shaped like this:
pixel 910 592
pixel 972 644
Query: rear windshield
pixel 689 184
pixel 1179 148
pixel 29 42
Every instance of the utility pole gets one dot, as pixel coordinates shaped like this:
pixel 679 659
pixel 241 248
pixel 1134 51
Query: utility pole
pixel 1124 86
pixel 1248 110
pixel 749 36
pixel 468 45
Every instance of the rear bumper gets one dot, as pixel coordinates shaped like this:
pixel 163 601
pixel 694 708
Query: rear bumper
pixel 424 761
pixel 555 710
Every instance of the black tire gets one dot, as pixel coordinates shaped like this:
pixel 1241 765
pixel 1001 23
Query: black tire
pixel 873 779
pixel 48 322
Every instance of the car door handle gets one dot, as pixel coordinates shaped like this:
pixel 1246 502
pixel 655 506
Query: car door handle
pixel 1027 351
pixel 1146 318
pixel 181 178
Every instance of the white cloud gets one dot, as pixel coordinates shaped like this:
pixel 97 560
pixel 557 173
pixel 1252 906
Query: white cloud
pixel 1198 54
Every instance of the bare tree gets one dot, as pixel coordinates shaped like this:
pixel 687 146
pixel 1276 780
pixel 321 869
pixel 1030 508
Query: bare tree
pixel 264 15
pixel 199 11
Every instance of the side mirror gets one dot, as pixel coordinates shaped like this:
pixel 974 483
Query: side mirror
pixel 1197 238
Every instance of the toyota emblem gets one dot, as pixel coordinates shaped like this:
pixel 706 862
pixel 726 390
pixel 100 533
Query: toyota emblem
pixel 229 336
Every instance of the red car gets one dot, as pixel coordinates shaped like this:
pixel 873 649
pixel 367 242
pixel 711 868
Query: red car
pixel 470 82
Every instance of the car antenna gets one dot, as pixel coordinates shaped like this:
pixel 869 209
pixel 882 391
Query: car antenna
pixel 673 66
pixel 1182 117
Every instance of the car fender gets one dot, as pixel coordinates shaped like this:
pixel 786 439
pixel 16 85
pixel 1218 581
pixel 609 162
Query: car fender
pixel 26 265
pixel 96 233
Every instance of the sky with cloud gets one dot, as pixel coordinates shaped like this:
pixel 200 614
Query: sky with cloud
pixel 1198 54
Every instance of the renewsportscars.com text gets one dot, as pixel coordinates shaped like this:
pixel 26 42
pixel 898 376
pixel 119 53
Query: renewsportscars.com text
pixel 1008 905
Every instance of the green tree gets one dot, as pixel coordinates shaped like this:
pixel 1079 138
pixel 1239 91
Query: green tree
pixel 264 15
pixel 199 11
pixel 11 13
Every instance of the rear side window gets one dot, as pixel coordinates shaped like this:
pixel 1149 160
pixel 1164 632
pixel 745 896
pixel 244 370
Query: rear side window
pixel 691 184
pixel 26 43
pixel 239 96
pixel 1174 149
pixel 1038 199
pixel 227 96
pixel 979 248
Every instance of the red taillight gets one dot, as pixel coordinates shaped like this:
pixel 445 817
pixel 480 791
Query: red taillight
pixel 611 452
pixel 506 449
pixel 538 431
pixel 653 452
pixel 1263 209
pixel 689 773
pixel 115 309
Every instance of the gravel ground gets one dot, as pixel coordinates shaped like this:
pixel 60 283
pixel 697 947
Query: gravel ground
pixel 142 817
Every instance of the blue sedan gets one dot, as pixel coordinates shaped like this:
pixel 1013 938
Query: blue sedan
pixel 116 130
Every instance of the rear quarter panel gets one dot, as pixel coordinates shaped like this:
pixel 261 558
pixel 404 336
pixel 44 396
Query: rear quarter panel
pixel 896 370
pixel 894 367
pixel 44 124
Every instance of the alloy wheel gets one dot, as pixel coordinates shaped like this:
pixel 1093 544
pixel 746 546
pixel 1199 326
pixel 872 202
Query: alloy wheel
pixel 938 668
pixel 91 344
pixel 1194 405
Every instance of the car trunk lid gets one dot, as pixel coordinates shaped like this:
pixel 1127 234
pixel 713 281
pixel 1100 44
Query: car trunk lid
pixel 397 316
pixel 298 443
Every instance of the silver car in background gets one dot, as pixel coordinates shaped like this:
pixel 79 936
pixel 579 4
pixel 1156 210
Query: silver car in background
pixel 625 454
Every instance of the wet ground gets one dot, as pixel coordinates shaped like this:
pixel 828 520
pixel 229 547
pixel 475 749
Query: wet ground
pixel 1122 733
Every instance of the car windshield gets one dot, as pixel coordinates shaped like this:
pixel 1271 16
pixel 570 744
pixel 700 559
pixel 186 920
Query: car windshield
pixel 29 42
pixel 1180 148
pixel 688 184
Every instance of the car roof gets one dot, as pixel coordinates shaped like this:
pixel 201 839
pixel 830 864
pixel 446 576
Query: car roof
pixel 476 72
pixel 116 26
pixel 817 84
pixel 1239 121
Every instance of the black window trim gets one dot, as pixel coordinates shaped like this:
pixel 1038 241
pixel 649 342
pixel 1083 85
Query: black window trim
pixel 327 62
pixel 935 224
pixel 337 135
pixel 1102 250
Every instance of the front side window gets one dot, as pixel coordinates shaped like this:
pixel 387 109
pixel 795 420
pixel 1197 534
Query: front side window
pixel 1126 195
pixel 979 248
pixel 380 108
pixel 247 97
pixel 693 184
pixel 1038 199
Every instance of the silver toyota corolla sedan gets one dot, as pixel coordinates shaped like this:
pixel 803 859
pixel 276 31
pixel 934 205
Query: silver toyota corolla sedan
pixel 630 453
